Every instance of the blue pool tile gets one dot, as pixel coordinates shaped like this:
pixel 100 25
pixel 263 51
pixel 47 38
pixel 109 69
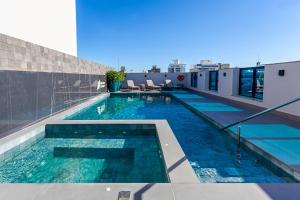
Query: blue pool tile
pixel 287 151
pixel 215 107
pixel 187 96
pixel 179 92
pixel 279 140
pixel 113 158
pixel 268 131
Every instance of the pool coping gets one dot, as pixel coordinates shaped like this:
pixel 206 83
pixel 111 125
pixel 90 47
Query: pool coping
pixel 177 165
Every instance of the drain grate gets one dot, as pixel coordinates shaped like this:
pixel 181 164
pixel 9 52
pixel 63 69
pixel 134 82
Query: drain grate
pixel 124 195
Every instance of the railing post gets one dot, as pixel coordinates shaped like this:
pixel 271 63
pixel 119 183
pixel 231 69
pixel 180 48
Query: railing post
pixel 239 134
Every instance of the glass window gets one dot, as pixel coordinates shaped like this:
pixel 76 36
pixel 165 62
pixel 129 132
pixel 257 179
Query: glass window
pixel 259 81
pixel 194 79
pixel 252 82
pixel 213 80
pixel 246 82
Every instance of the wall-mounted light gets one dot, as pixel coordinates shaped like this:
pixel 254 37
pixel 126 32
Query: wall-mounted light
pixel 145 75
pixel 224 74
pixel 200 74
pixel 281 72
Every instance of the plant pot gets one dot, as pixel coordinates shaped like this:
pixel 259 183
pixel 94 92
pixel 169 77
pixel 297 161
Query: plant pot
pixel 114 86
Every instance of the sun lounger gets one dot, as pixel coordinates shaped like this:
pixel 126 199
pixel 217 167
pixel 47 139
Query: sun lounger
pixel 151 86
pixel 131 86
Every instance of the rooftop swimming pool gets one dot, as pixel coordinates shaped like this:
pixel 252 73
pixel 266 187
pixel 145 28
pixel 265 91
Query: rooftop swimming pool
pixel 89 153
pixel 79 152
pixel 214 156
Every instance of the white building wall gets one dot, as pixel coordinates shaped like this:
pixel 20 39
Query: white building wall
pixel 202 81
pixel 49 23
pixel 228 82
pixel 277 89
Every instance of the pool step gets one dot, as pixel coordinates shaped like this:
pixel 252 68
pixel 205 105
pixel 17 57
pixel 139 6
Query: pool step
pixel 98 131
pixel 94 153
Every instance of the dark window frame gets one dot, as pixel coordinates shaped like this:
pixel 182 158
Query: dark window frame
pixel 254 81
pixel 194 84
pixel 216 81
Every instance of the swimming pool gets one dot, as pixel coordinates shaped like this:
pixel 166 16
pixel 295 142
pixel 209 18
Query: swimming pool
pixel 89 153
pixel 213 155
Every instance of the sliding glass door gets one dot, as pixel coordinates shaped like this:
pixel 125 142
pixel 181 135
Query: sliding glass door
pixel 194 79
pixel 213 80
pixel 252 82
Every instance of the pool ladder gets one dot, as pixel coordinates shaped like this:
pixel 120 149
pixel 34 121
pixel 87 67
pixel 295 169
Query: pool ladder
pixel 238 123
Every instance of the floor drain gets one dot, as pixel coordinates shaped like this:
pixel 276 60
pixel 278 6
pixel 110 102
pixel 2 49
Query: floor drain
pixel 124 195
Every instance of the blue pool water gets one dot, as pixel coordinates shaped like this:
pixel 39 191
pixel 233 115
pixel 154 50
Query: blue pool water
pixel 89 154
pixel 213 155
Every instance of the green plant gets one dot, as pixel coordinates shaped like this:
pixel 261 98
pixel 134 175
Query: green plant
pixel 113 75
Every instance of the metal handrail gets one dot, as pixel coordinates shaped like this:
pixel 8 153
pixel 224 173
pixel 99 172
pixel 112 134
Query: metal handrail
pixel 262 112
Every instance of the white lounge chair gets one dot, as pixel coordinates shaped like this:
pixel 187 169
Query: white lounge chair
pixel 131 86
pixel 151 86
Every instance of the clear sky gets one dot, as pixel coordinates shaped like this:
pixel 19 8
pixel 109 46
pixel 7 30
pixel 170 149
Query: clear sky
pixel 140 33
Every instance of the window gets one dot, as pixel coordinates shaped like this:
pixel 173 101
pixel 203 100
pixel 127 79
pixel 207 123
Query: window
pixel 213 80
pixel 252 82
pixel 194 79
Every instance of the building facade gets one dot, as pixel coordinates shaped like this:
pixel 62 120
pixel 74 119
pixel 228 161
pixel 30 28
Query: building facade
pixel 49 23
pixel 176 66
pixel 154 69
pixel 208 64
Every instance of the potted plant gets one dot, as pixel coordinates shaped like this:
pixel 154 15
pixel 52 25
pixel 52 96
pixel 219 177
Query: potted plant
pixel 114 80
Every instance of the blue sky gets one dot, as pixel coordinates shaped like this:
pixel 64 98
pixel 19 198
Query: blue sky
pixel 140 33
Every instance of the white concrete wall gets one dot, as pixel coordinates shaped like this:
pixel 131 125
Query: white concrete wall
pixel 49 23
pixel 277 89
pixel 158 78
pixel 228 84
pixel 203 83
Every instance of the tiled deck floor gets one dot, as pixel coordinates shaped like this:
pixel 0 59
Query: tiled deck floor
pixel 275 134
pixel 157 191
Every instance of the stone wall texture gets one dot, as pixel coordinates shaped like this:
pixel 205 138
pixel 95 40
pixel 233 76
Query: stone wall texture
pixel 16 54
